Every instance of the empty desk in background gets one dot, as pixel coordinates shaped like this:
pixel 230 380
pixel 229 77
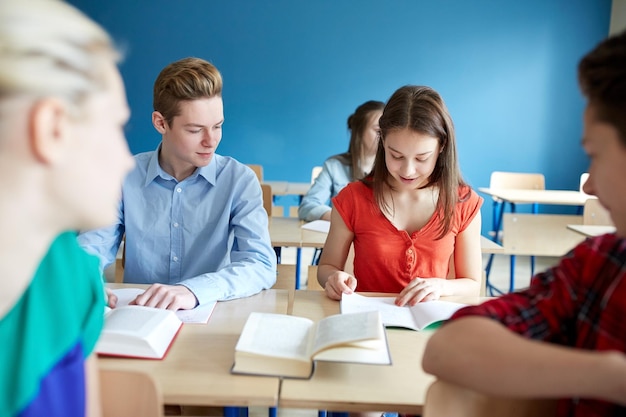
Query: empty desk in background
pixel 357 387
pixel 196 370
pixel 286 232
pixel 317 239
pixel 552 197
pixel 544 235
pixel 284 188
pixel 591 230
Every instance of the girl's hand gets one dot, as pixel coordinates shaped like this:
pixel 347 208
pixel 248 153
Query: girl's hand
pixel 338 283
pixel 421 289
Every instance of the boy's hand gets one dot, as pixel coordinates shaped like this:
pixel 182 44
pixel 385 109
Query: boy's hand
pixel 170 297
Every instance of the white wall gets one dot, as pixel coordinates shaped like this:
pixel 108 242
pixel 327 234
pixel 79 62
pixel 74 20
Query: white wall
pixel 618 16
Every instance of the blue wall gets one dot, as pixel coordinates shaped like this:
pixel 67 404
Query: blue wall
pixel 294 71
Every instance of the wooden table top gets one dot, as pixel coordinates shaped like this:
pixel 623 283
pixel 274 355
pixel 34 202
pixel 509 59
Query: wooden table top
pixel 287 231
pixel 554 197
pixel 591 230
pixel 357 387
pixel 288 188
pixel 196 370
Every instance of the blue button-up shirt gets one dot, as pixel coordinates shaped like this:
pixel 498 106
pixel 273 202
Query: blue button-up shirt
pixel 208 232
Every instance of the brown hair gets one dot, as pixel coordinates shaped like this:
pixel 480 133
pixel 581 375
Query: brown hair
pixel 422 110
pixel 357 123
pixel 183 80
pixel 602 78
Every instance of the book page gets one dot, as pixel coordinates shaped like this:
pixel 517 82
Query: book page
pixel 276 335
pixel 363 328
pixel 416 317
pixel 200 314
pixel 391 314
pixel 137 331
pixel 430 312
pixel 317 226
pixel 132 321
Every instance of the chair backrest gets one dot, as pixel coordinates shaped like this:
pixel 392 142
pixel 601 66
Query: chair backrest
pixel 127 393
pixel 267 198
pixel 312 283
pixel 595 214
pixel 314 173
pixel 258 170
pixel 120 261
pixel 446 399
pixel 285 277
pixel 517 180
pixel 583 180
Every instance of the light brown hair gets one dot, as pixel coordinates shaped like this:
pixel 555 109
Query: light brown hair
pixel 187 79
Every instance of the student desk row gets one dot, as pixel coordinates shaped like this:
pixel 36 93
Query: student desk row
pixel 196 370
pixel 356 387
pixel 286 188
pixel 591 230
pixel 289 188
pixel 288 232
pixel 534 234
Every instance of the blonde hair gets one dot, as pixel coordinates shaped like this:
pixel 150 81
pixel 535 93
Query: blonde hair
pixel 50 49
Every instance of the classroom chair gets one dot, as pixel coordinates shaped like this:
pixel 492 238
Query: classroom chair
pixel 258 170
pixel 444 399
pixel 312 283
pixel 595 214
pixel 510 180
pixel 267 199
pixel 129 394
pixel 583 180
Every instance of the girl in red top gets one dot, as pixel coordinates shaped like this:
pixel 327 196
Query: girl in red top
pixel 414 222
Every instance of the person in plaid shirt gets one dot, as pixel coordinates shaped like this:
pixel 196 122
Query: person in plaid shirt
pixel 565 336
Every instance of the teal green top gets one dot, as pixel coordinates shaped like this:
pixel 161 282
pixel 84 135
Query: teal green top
pixel 49 332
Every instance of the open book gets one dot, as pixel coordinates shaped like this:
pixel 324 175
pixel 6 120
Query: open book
pixel 415 317
pixel 317 226
pixel 200 314
pixel 288 346
pixel 137 332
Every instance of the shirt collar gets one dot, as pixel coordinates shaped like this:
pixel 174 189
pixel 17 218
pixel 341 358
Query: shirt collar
pixel 154 170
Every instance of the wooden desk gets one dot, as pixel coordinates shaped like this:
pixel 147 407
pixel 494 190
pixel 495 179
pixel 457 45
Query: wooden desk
pixel 544 235
pixel 284 188
pixel 289 188
pixel 591 230
pixel 552 197
pixel 196 370
pixel 358 387
pixel 286 231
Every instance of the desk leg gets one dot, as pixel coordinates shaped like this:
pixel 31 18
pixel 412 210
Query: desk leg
pixel 298 264
pixel 278 251
pixel 235 411
pixel 498 213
